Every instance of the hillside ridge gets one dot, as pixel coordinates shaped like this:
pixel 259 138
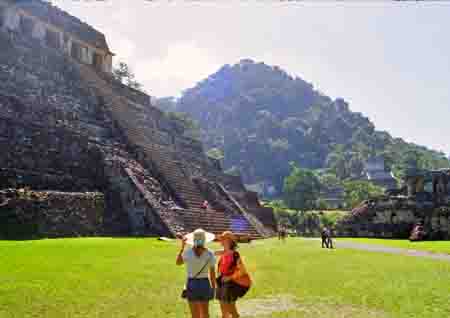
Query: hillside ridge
pixel 261 118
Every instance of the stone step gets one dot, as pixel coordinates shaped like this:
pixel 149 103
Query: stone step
pixel 216 219
pixel 131 123
pixel 218 228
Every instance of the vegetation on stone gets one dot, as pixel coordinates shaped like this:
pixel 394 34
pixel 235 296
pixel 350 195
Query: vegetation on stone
pixel 358 191
pixel 185 124
pixel 124 74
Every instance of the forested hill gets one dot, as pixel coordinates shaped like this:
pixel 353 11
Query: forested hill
pixel 261 118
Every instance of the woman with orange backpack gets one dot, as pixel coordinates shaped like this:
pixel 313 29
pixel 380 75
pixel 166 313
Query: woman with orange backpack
pixel 233 281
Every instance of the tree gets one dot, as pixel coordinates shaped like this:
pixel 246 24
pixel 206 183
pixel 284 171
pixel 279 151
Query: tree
pixel 301 189
pixel 389 160
pixel 122 72
pixel 412 160
pixel 322 204
pixel 358 191
pixel 337 163
pixel 329 181
pixel 356 166
pixel 215 153
pixel 125 75
pixel 277 205
pixel 330 219
pixel 186 124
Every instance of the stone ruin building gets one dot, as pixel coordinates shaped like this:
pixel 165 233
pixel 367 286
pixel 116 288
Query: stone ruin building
pixel 375 171
pixel 422 202
pixel 85 155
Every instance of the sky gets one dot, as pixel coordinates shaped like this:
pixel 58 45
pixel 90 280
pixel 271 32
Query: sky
pixel 389 60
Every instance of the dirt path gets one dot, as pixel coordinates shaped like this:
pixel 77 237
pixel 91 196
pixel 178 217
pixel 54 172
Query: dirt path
pixel 390 250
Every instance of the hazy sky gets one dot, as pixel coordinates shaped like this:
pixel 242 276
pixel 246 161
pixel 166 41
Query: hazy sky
pixel 390 61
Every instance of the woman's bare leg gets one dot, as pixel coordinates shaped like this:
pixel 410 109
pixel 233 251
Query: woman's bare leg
pixel 233 311
pixel 193 309
pixel 203 310
pixel 225 310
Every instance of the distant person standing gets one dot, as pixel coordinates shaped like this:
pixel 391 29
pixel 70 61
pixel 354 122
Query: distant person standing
pixel 326 238
pixel 205 205
pixel 282 233
pixel 330 238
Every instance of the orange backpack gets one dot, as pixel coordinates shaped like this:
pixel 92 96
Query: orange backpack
pixel 240 275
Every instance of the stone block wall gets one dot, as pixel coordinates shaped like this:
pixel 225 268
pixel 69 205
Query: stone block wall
pixel 49 88
pixel 48 158
pixel 265 216
pixel 31 214
pixel 213 195
pixel 395 221
pixel 39 180
pixel 130 192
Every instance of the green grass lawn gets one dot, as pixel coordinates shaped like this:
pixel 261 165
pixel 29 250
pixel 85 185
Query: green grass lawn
pixel 96 278
pixel 429 246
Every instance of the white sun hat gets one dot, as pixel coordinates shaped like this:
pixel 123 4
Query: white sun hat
pixel 199 234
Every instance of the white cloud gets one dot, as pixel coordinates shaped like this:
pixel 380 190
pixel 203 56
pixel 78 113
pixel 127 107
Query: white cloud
pixel 181 67
pixel 123 48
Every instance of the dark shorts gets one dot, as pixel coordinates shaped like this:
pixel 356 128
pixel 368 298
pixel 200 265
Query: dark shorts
pixel 199 290
pixel 229 292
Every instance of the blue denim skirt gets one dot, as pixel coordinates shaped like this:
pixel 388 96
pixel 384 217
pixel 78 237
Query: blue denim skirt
pixel 199 289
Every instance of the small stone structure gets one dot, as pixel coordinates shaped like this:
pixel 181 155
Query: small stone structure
pixel 69 126
pixel 40 21
pixel 32 214
pixel 424 200
pixel 375 171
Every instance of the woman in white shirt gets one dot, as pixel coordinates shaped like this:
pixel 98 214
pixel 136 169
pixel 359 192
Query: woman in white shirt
pixel 201 277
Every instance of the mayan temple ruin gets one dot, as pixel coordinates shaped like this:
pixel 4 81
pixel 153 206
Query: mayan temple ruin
pixel 420 209
pixel 86 155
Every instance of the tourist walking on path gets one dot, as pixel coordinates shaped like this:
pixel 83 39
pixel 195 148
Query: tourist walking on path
pixel 201 277
pixel 233 281
pixel 326 238
pixel 330 238
pixel 282 233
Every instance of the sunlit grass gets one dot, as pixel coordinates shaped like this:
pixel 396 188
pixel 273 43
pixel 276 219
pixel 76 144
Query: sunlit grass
pixel 137 278
pixel 429 246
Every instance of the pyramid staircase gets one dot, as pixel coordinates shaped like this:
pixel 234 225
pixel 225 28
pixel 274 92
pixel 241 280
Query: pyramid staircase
pixel 163 160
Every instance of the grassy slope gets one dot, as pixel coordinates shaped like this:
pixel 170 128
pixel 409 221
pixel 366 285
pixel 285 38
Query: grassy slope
pixel 137 278
pixel 435 246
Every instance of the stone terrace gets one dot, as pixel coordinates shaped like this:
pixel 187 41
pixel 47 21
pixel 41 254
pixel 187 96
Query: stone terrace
pixel 35 214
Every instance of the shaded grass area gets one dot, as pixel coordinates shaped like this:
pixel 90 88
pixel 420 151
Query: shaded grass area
pixel 137 278
pixel 428 246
